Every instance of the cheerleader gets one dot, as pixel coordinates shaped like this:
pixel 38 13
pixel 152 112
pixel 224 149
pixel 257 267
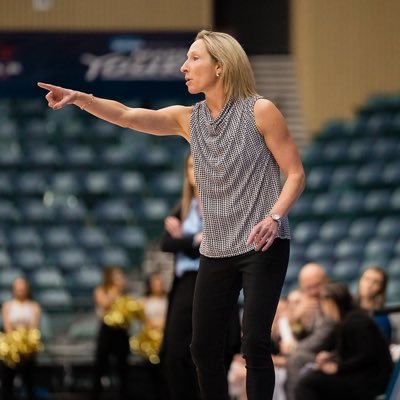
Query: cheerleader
pixel 21 312
pixel 112 341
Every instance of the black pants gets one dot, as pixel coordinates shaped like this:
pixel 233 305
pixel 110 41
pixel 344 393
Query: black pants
pixel 179 370
pixel 111 342
pixel 261 274
pixel 25 371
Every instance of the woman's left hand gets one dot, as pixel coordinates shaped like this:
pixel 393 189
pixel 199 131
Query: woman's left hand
pixel 263 234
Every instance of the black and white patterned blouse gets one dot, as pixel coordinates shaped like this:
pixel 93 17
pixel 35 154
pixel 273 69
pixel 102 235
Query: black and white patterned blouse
pixel 237 176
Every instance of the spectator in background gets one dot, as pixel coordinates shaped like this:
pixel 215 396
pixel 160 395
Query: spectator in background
pixel 315 327
pixel 183 235
pixel 360 364
pixel 371 294
pixel 112 341
pixel 298 326
pixel 155 302
pixel 20 312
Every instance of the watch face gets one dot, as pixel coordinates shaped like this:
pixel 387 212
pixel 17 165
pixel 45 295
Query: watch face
pixel 275 217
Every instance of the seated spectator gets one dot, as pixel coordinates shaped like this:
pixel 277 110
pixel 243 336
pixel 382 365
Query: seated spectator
pixel 371 296
pixel 359 363
pixel 20 312
pixel 315 328
pixel 292 322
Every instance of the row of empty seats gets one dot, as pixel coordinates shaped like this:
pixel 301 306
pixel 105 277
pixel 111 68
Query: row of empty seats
pixel 349 203
pixel 115 183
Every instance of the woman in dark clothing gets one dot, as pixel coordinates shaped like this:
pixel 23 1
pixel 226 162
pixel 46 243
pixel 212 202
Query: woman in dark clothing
pixel 360 365
pixel 183 235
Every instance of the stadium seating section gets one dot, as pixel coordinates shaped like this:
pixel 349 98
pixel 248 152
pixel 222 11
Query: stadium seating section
pixel 78 194
pixel 349 215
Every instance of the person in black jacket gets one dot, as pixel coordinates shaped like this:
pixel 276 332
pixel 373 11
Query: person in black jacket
pixel 360 364
pixel 182 236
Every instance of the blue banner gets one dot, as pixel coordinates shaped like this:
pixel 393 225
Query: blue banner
pixel 118 64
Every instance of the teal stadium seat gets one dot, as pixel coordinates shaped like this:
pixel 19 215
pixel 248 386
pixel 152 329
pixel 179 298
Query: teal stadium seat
pixel 343 177
pixel 8 276
pixel 28 259
pixel 55 300
pixel 334 230
pixel 6 184
pixel 47 278
pixel 25 236
pixel 347 248
pixel 319 179
pixel 305 232
pixel 363 228
pixel 31 183
pixel 92 238
pixel 5 260
pixel 346 270
pixel 56 237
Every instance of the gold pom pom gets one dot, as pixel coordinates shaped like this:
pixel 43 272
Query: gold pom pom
pixel 19 345
pixel 124 310
pixel 147 343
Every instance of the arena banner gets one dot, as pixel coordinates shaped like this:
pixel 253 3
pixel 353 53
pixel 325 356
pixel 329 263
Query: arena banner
pixel 120 64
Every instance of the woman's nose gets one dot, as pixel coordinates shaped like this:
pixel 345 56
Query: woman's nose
pixel 184 67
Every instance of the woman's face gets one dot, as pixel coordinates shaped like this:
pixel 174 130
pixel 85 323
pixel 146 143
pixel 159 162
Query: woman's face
pixel 370 284
pixel 20 289
pixel 330 309
pixel 156 285
pixel 200 69
pixel 190 171
pixel 118 279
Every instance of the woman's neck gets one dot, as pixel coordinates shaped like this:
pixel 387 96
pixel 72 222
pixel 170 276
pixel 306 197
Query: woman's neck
pixel 21 300
pixel 215 103
pixel 368 304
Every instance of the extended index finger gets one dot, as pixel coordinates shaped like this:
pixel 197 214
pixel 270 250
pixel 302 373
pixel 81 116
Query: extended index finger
pixel 47 86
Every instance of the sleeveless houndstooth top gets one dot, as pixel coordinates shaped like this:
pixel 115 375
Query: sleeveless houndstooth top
pixel 236 174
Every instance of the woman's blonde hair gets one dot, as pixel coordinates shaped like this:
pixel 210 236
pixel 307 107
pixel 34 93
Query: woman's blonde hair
pixel 237 75
pixel 187 191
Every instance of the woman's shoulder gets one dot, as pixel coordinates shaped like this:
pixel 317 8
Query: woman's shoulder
pixel 7 304
pixel 263 105
pixel 34 304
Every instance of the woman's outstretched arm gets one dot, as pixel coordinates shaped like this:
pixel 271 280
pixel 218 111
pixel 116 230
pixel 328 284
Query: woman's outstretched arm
pixel 172 120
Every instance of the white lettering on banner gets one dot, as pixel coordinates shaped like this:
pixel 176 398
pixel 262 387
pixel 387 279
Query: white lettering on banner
pixel 10 68
pixel 140 64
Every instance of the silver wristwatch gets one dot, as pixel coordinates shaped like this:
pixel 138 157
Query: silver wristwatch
pixel 277 218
